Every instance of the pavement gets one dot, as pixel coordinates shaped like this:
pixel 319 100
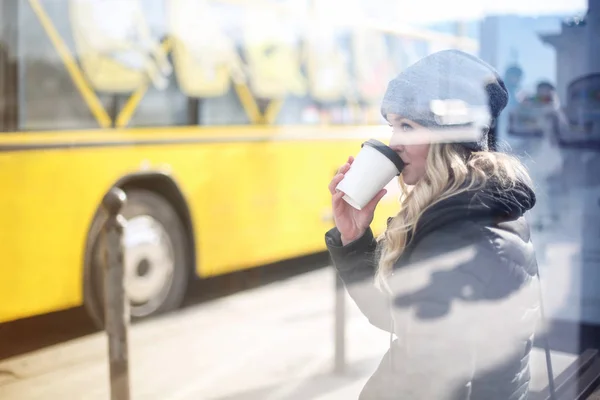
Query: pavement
pixel 272 342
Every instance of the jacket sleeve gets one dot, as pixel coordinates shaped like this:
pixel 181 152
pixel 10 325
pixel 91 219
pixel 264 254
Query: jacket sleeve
pixel 453 318
pixel 355 264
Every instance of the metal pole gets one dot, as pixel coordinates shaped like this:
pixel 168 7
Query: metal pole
pixel 116 306
pixel 340 325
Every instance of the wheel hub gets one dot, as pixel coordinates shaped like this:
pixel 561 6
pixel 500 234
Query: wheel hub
pixel 149 264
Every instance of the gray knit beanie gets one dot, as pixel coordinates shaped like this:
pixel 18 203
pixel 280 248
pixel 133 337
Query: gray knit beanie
pixel 447 75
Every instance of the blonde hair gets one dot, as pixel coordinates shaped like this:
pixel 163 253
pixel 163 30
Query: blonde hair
pixel 450 169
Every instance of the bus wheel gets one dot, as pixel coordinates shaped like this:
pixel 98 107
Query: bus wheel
pixel 156 260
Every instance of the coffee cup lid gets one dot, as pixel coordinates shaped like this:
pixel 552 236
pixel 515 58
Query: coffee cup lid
pixel 386 151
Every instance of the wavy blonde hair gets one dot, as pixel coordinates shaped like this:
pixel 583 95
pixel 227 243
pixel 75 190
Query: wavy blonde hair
pixel 450 169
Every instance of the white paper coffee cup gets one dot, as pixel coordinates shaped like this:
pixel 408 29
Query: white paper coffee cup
pixel 373 168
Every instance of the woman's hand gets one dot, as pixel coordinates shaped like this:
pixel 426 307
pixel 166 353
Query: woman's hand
pixel 351 223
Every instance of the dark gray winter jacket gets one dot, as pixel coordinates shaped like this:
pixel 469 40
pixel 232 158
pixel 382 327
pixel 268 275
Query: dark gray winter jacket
pixel 464 303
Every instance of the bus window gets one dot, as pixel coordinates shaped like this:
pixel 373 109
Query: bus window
pixel 116 48
pixel 331 97
pixel 272 54
pixel 373 69
pixel 206 62
pixel 8 66
pixel 223 110
pixel 204 56
pixel 158 107
pixel 48 97
pixel 327 64
pixel 404 51
pixel 171 107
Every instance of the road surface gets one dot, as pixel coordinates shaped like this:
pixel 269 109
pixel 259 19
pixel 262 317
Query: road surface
pixel 271 342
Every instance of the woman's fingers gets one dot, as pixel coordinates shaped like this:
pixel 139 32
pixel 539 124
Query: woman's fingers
pixel 344 168
pixel 340 175
pixel 338 201
pixel 338 196
pixel 334 182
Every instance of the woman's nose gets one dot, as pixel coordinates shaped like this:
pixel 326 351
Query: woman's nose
pixel 396 144
pixel 398 148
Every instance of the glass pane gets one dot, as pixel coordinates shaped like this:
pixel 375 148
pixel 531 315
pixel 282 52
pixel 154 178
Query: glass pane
pixel 8 66
pixel 48 97
pixel 284 92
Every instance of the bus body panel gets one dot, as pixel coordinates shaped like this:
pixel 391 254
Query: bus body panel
pixel 251 203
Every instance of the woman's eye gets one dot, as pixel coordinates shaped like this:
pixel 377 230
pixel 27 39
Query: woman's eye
pixel 402 127
pixel 406 127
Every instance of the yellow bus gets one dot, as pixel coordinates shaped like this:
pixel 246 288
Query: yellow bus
pixel 223 121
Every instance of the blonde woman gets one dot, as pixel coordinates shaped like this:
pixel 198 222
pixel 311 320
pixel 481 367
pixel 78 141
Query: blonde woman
pixel 453 275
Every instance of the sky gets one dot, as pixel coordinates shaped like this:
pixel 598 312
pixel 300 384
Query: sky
pixel 440 10
pixel 410 12
pixel 420 12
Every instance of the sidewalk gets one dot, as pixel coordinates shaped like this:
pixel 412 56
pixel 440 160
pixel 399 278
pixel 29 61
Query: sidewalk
pixel 274 342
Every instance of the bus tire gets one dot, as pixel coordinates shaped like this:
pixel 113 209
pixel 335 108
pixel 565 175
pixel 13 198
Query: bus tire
pixel 157 258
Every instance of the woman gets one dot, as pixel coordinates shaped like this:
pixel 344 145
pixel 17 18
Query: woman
pixel 453 276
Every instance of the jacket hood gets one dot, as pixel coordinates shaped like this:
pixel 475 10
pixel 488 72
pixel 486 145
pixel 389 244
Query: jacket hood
pixel 502 201
pixel 493 202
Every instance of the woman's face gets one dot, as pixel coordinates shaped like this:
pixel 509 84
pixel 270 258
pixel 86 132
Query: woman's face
pixel 414 155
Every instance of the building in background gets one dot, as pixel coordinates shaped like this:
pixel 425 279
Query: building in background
pixel 508 39
pixel 576 47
